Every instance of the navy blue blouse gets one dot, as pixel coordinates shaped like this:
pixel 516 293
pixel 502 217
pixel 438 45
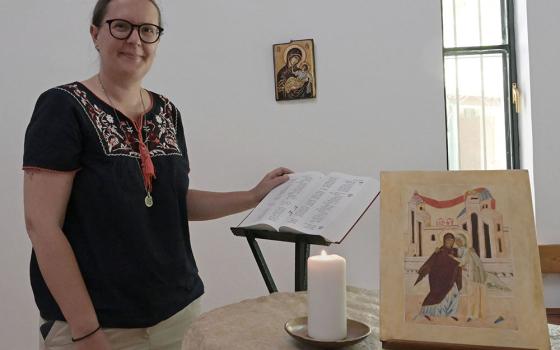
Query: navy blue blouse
pixel 136 261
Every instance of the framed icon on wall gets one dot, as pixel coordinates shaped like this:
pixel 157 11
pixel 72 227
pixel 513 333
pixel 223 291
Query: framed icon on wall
pixel 294 70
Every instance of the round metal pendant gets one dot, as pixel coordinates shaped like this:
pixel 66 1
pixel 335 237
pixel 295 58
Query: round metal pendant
pixel 149 201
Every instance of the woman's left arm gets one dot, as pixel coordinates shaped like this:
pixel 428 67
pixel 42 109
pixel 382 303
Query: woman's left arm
pixel 205 205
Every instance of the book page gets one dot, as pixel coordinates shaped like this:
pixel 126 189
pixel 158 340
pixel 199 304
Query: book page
pixel 334 207
pixel 281 201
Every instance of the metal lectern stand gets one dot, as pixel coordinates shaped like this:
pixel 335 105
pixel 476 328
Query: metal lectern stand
pixel 302 243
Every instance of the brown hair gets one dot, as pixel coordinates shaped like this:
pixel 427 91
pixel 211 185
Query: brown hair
pixel 100 10
pixel 448 235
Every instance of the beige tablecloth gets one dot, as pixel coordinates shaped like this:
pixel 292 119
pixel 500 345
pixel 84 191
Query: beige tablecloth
pixel 258 324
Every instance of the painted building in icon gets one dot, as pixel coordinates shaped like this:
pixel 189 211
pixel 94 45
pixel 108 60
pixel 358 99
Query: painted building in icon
pixel 472 216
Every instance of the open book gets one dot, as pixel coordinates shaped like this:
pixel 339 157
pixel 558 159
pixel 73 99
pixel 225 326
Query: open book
pixel 315 204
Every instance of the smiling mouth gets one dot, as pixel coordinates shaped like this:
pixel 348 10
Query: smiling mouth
pixel 131 55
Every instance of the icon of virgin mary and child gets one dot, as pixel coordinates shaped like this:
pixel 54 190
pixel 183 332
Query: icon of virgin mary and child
pixel 294 79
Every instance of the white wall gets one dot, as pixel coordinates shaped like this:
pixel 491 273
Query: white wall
pixel 376 109
pixel 541 32
pixel 379 106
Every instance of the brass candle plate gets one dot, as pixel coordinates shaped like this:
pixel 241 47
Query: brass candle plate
pixel 357 331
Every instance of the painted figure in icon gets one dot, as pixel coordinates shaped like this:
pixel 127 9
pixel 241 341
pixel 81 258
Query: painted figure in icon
pixel 478 280
pixel 305 76
pixel 445 278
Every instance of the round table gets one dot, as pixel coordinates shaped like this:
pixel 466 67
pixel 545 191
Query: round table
pixel 258 324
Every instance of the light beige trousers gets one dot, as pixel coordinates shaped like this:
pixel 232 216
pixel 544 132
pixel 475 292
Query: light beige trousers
pixel 166 335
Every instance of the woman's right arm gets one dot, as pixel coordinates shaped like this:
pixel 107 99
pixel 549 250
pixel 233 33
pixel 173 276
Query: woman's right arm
pixel 46 195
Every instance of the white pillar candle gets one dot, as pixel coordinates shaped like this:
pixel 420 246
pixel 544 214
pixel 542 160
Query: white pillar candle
pixel 326 297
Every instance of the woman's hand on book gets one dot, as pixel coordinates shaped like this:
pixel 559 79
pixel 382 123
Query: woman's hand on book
pixel 271 180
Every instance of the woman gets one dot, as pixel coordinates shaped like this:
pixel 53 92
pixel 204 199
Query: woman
pixel 445 281
pixel 107 201
pixel 478 280
pixel 476 287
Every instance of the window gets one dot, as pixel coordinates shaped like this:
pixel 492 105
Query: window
pixel 479 63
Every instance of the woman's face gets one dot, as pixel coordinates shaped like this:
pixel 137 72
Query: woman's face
pixel 294 60
pixel 130 57
pixel 449 242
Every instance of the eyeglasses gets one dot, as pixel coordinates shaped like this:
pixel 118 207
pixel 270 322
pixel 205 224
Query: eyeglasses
pixel 122 29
